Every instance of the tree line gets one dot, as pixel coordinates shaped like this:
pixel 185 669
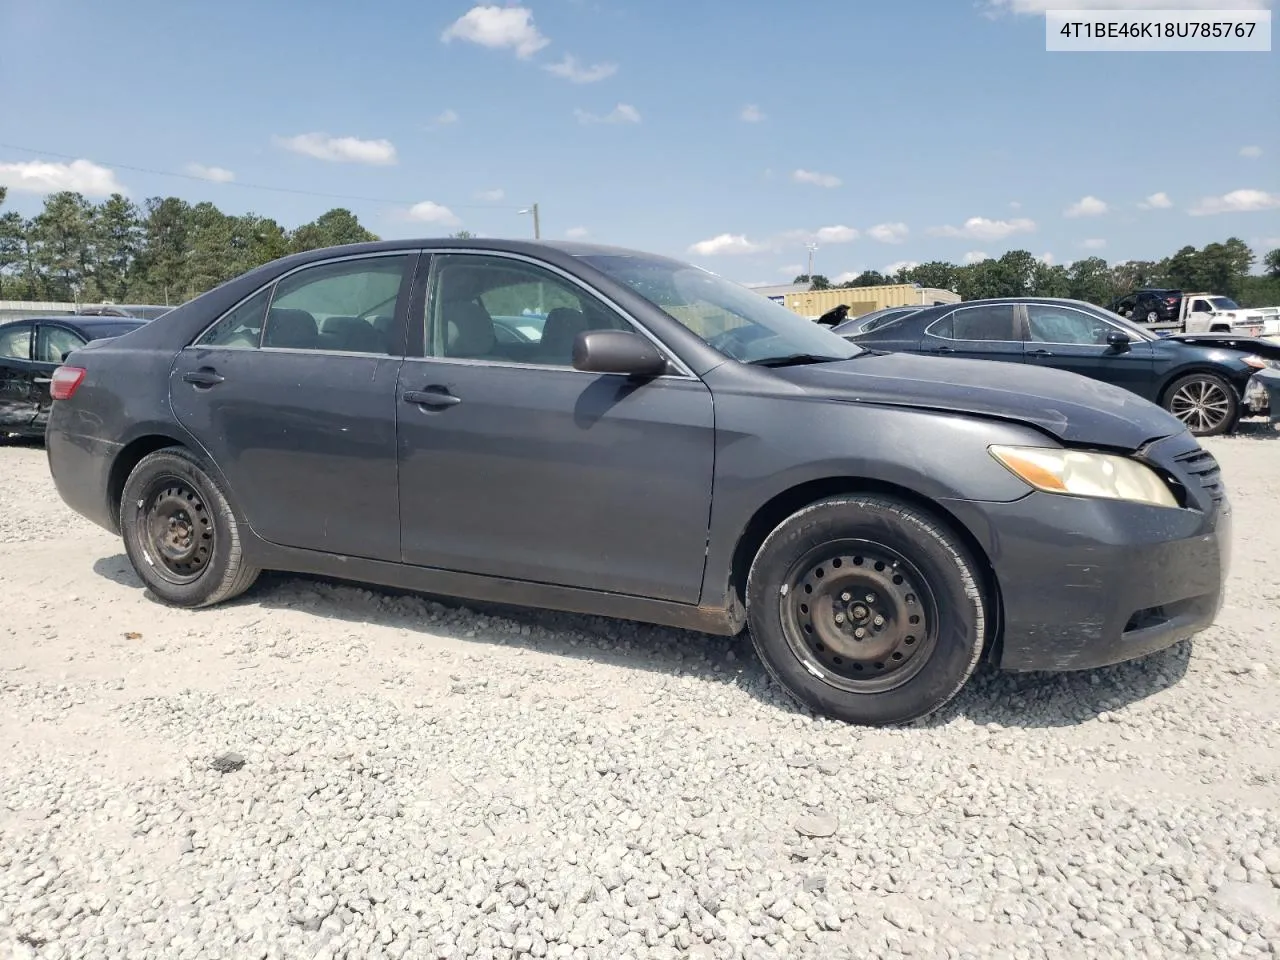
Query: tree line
pixel 163 251
pixel 1221 268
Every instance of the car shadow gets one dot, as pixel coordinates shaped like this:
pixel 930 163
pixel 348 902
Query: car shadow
pixel 1256 430
pixel 20 440
pixel 992 697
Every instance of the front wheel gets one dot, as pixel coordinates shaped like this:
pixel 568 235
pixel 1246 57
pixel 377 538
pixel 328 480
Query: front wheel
pixel 867 609
pixel 1205 402
pixel 180 532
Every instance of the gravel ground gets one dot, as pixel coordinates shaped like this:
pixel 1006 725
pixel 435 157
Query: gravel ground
pixel 319 770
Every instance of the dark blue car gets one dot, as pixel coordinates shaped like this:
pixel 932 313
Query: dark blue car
pixel 1199 379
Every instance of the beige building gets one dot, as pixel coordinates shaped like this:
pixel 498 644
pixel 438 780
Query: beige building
pixel 859 300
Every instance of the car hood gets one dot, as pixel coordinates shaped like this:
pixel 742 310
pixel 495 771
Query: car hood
pixel 1076 410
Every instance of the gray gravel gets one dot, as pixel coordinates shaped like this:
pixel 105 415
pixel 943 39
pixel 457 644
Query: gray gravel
pixel 327 771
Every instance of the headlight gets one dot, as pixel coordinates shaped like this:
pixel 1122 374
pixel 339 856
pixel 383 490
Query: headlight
pixel 1084 474
pixel 1260 363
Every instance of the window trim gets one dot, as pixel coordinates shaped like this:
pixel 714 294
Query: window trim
pixel 401 296
pixel 950 314
pixel 681 371
pixel 1059 343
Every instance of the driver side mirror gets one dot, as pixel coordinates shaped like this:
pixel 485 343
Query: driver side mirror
pixel 1118 340
pixel 617 351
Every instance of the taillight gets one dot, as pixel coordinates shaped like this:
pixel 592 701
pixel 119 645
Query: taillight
pixel 65 381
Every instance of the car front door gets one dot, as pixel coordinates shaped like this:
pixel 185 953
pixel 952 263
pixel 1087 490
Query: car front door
pixel 1065 338
pixel 1199 315
pixel 986 331
pixel 17 376
pixel 293 395
pixel 53 343
pixel 514 464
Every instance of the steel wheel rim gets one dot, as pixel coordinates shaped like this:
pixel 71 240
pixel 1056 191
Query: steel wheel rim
pixel 1201 405
pixel 888 600
pixel 176 530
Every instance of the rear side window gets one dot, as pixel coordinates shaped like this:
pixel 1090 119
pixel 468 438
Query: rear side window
pixel 992 322
pixel 242 327
pixel 348 306
pixel 15 342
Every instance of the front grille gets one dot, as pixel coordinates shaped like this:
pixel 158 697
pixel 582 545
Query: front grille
pixel 1201 467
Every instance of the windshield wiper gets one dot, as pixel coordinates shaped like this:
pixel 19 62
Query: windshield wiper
pixel 792 360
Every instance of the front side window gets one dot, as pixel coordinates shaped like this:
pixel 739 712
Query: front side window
pixel 347 306
pixel 1061 325
pixel 15 342
pixel 989 322
pixel 54 343
pixel 496 308
pixel 731 318
pixel 1200 306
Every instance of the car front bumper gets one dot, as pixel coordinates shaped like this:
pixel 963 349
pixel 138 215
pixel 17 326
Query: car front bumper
pixel 1262 396
pixel 1086 583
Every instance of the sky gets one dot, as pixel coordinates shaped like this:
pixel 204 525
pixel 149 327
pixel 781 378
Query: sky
pixel 731 134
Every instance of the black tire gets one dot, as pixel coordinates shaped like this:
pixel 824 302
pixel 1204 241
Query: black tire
pixel 1205 402
pixel 200 561
pixel 913 573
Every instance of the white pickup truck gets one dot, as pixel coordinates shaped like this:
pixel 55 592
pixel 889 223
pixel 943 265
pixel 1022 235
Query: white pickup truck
pixel 1211 313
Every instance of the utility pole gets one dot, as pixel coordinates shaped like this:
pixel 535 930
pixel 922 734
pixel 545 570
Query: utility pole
pixel 812 248
pixel 537 227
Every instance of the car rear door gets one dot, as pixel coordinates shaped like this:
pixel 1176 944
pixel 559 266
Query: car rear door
pixel 53 342
pixel 1067 338
pixel 17 376
pixel 514 464
pixel 293 394
pixel 984 331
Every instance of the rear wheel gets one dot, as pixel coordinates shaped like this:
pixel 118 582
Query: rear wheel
pixel 867 609
pixel 180 533
pixel 1205 402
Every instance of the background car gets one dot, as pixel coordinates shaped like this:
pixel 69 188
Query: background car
pixel 141 311
pixel 1199 382
pixel 1150 305
pixel 873 320
pixel 30 350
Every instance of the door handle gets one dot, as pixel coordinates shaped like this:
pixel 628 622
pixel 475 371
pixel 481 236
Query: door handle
pixel 204 377
pixel 432 397
pixel 1040 353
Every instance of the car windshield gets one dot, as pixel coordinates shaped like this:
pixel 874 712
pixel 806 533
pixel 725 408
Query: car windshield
pixel 1223 303
pixel 734 320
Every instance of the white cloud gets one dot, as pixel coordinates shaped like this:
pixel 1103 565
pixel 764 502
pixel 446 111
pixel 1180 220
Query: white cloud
pixel 893 268
pixel 570 69
pixel 1237 201
pixel 726 243
pixel 341 149
pixel 836 234
pixel 430 212
pixel 447 117
pixel 1086 207
pixel 216 174
pixel 1095 243
pixel 622 113
pixel 1015 204
pixel 498 28
pixel 81 176
pixel 975 256
pixel 1157 201
pixel 889 232
pixel 752 114
pixel 1047 259
pixel 491 196
pixel 1251 153
pixel 845 277
pixel 1040 6
pixel 817 179
pixel 980 228
pixel 577 233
